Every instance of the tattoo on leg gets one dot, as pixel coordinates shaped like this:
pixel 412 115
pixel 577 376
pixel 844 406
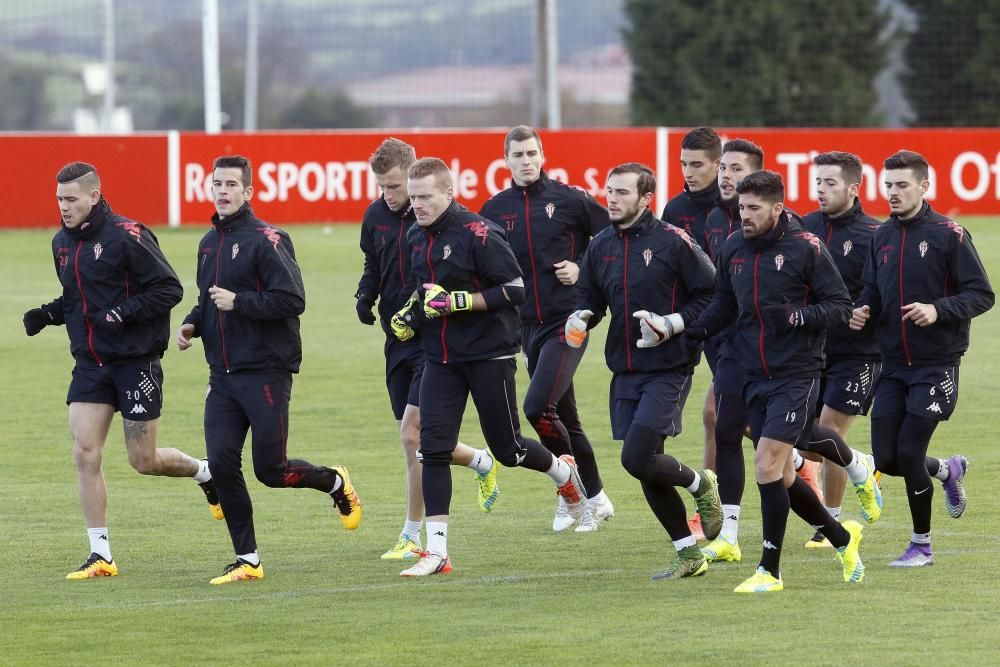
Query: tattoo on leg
pixel 134 430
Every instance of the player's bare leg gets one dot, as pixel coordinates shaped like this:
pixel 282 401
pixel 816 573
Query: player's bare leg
pixel 834 476
pixel 89 423
pixel 148 459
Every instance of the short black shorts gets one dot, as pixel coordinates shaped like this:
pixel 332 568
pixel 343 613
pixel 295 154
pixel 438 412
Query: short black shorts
pixel 653 400
pixel 712 347
pixel 134 389
pixel 848 386
pixel 781 409
pixel 404 369
pixel 930 392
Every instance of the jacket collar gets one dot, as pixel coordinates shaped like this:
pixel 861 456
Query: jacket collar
pixel 92 223
pixel 769 239
pixel 401 214
pixel 537 187
pixel 924 212
pixel 847 217
pixel 445 219
pixel 242 217
pixel 645 222
pixel 704 198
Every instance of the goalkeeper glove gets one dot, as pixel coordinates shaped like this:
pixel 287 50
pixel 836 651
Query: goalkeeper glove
pixel 781 318
pixel 657 329
pixel 576 327
pixel 404 320
pixel 364 307
pixel 439 302
pixel 37 319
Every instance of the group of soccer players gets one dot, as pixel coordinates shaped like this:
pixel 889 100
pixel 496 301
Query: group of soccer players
pixel 805 323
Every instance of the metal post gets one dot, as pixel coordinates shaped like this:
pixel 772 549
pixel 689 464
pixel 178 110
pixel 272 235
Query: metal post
pixel 210 65
pixel 252 71
pixel 553 103
pixel 538 80
pixel 108 106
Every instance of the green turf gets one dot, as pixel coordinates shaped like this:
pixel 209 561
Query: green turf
pixel 519 594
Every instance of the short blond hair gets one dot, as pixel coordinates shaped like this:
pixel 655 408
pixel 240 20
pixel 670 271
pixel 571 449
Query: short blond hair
pixel 431 166
pixel 391 153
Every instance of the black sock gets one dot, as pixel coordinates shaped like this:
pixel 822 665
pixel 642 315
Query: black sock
pixel 806 505
pixel 774 505
pixel 729 464
pixel 914 439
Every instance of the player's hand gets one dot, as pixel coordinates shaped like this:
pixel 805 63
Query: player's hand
pixel 222 298
pixel 111 320
pixel 656 329
pixel 439 302
pixel 781 318
pixel 696 332
pixel 859 317
pixel 36 319
pixel 576 327
pixel 404 320
pixel 567 272
pixel 184 336
pixel 921 314
pixel 364 308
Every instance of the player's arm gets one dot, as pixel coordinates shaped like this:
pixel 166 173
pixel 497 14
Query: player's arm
pixel 282 293
pixel 868 305
pixel 368 286
pixel 723 307
pixel 159 289
pixel 975 293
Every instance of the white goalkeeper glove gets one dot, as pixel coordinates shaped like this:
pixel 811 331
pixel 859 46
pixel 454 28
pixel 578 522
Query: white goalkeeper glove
pixel 576 327
pixel 657 329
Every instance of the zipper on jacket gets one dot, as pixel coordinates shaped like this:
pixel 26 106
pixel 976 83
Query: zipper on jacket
pixel 222 326
pixel 444 320
pixel 83 299
pixel 760 321
pixel 628 337
pixel 902 322
pixel 531 257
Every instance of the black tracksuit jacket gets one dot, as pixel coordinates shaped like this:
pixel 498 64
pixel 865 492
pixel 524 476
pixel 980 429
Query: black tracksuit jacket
pixel 649 266
pixel 546 222
pixel 462 251
pixel 722 221
pixel 110 261
pixel 257 261
pixel 787 266
pixel 386 275
pixel 689 211
pixel 848 237
pixel 926 259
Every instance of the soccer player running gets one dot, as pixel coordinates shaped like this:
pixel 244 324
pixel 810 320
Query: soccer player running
pixel 548 226
pixel 654 279
pixel 852 358
pixel 701 153
pixel 118 290
pixel 923 283
pixel 249 302
pixel 469 287
pixel 388 280
pixel 780 285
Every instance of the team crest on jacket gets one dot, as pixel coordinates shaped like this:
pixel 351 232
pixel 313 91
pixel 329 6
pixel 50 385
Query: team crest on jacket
pixel 98 249
pixel 847 247
pixel 447 251
pixel 923 248
pixel 647 256
pixel 779 261
pixel 550 210
pixel 236 250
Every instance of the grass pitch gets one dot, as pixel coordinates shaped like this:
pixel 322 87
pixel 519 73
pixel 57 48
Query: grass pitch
pixel 519 595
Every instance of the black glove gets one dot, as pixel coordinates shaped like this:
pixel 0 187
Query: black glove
pixel 112 320
pixel 37 319
pixel 781 318
pixel 696 332
pixel 364 306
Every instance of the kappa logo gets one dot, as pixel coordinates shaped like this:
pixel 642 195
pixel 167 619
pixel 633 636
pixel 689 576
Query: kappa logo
pixel 236 250
pixel 934 407
pixel 137 409
pixel 132 228
pixel 550 210
pixel 779 261
pixel 447 251
pixel 769 545
pixel 647 256
pixel 854 404
pixel 272 235
pixel 98 249
pixel 847 247
pixel 479 228
pixel 922 248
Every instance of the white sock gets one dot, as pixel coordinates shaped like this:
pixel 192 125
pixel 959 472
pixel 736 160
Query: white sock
pixel 696 484
pixel 558 471
pixel 481 461
pixel 203 475
pixel 941 474
pixel 598 500
pixel 797 460
pixel 835 512
pixel 857 471
pixel 437 538
pixel 251 558
pixel 921 538
pixel 730 523
pixel 99 542
pixel 412 529
pixel 688 541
